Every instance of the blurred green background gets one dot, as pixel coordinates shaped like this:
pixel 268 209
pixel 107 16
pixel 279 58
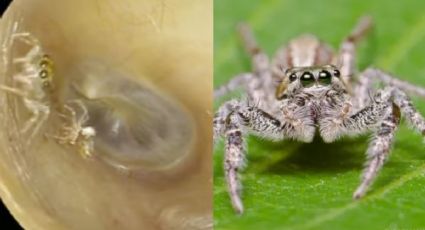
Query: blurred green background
pixel 290 185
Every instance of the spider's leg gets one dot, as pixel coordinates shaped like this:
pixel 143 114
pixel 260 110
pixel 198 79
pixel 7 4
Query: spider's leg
pixel 15 91
pixel 362 91
pixel 382 116
pixel 244 119
pixel 260 61
pixel 296 124
pixel 25 37
pixel 380 145
pixel 234 160
pixel 34 51
pixel 374 73
pixel 407 109
pixel 85 114
pixel 66 117
pixel 40 113
pixel 10 28
pixel 347 54
pixel 28 58
pixel 237 82
pixel 70 110
pixel 262 81
pixel 61 139
pixel 219 122
pixel 378 150
pixel 43 115
pixel 33 107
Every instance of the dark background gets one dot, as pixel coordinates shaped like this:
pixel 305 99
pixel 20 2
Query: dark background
pixel 6 220
pixel 3 5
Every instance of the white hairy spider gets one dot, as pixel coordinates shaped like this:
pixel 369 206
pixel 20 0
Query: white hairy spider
pixel 75 133
pixel 307 89
pixel 33 83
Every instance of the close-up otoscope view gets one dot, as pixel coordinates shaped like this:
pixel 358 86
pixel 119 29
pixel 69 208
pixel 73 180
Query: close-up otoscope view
pixel 212 114
pixel 106 114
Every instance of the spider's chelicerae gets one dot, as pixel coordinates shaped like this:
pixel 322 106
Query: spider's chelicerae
pixel 307 89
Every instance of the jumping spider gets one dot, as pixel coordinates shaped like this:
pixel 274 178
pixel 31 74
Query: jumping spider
pixel 32 83
pixel 75 133
pixel 307 88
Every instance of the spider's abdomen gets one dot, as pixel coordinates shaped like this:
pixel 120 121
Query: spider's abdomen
pixel 308 50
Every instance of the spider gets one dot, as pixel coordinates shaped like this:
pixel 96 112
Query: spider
pixel 33 82
pixel 75 133
pixel 308 89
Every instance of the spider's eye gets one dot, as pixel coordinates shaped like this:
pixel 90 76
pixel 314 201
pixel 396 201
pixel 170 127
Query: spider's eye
pixel 337 73
pixel 292 77
pixel 324 77
pixel 43 74
pixel 45 62
pixel 307 79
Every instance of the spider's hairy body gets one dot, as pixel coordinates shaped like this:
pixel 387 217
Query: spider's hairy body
pixel 33 82
pixel 309 89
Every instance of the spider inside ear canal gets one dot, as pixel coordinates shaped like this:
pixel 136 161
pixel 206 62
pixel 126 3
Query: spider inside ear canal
pixel 105 114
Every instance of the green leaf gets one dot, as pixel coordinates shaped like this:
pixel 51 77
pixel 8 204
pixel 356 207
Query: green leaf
pixel 289 185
